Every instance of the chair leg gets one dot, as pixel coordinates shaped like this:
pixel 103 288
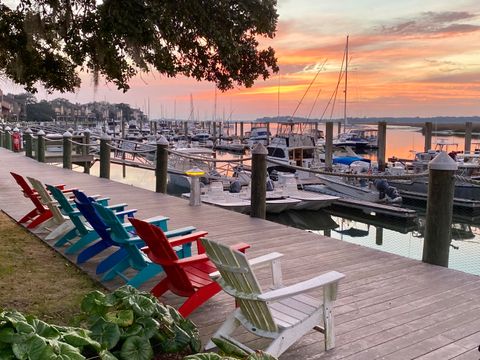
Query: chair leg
pixel 145 274
pixel 92 250
pixel 118 269
pixel 159 289
pixel 230 324
pixel 29 216
pixel 81 243
pixel 113 259
pixel 60 230
pixel 72 234
pixel 197 299
pixel 37 221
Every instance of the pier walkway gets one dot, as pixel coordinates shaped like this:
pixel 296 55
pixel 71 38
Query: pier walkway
pixel 388 306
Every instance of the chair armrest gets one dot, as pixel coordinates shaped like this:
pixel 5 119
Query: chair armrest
pixel 180 231
pixel 125 212
pixel 304 286
pixel 265 259
pixel 60 186
pixel 180 240
pixel 118 206
pixel 66 191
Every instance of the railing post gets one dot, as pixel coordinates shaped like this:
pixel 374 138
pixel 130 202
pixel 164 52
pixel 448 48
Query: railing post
pixel 40 146
pixel 258 194
pixel 161 169
pixel 105 156
pixel 86 150
pixel 2 137
pixel 441 186
pixel 28 143
pixel 67 150
pixel 468 137
pixel 241 130
pixel 428 136
pixel 8 138
pixel 382 144
pixel 328 146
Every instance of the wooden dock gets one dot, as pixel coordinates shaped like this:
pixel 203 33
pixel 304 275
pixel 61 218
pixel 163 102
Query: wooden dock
pixel 389 307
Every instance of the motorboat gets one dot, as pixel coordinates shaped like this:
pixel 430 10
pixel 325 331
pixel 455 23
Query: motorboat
pixel 258 135
pixel 358 138
pixel 287 183
pixel 378 190
pixel 240 202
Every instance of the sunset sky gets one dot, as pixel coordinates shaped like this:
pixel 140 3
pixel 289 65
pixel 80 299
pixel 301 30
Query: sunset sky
pixel 407 58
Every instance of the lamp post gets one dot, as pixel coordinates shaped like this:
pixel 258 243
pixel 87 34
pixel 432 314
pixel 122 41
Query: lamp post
pixel 195 174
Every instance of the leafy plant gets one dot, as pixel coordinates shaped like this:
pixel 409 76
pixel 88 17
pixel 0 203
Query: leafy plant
pixel 230 351
pixel 133 325
pixel 26 337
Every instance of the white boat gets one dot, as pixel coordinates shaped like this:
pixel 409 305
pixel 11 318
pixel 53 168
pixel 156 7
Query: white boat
pixel 358 138
pixel 378 191
pixel 216 195
pixel 309 200
pixel 258 135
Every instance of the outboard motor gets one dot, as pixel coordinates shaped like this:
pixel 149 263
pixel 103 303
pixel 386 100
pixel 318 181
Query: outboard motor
pixel 384 189
pixel 235 187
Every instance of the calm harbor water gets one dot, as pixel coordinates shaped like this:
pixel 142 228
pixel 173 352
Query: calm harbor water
pixel 405 239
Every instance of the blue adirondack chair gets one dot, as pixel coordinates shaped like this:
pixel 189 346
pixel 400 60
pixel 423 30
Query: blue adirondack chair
pixel 135 258
pixel 83 234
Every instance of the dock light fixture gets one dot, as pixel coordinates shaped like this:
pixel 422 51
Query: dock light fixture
pixel 195 173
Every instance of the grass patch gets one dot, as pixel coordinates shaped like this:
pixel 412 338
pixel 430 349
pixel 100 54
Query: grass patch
pixel 34 279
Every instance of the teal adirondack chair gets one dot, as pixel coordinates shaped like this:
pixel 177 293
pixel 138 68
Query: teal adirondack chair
pixel 283 314
pixel 130 245
pixel 83 234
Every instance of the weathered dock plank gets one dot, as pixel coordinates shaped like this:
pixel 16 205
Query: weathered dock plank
pixel 388 306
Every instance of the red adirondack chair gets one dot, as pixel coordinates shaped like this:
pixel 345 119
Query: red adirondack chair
pixel 188 277
pixel 40 213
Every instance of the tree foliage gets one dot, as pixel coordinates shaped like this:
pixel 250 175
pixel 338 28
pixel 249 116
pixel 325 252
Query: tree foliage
pixel 49 41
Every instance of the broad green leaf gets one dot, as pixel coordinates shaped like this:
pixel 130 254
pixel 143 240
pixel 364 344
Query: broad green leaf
pixel 13 317
pixel 7 335
pixel 134 330
pixel 122 318
pixel 136 348
pixel 260 355
pixel 69 352
pixel 43 329
pixel 106 333
pixel 94 303
pixel 142 305
pixel 107 355
pixel 229 348
pixel 33 348
pixel 204 356
pixel 150 326
pixel 7 353
pixel 79 338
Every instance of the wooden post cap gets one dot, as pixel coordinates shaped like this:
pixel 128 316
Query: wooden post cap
pixel 162 140
pixel 67 134
pixel 259 149
pixel 443 162
pixel 41 133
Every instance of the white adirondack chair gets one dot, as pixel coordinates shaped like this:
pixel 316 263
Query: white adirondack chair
pixel 283 314
pixel 59 224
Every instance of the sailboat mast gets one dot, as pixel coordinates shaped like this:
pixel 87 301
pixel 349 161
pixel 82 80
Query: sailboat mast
pixel 346 85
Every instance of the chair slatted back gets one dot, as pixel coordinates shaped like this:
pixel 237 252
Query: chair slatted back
pixel 238 279
pixel 84 205
pixel 162 253
pixel 28 191
pixel 47 200
pixel 118 233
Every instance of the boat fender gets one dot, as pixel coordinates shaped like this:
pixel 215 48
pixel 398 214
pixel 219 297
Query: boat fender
pixel 270 185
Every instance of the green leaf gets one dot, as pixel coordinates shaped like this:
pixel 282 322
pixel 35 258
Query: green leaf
pixel 7 353
pixel 80 338
pixel 69 352
pixel 229 348
pixel 94 303
pixel 260 355
pixel 107 355
pixel 33 348
pixel 142 305
pixel 43 329
pixel 7 335
pixel 136 348
pixel 134 330
pixel 106 333
pixel 122 318
pixel 150 326
pixel 204 356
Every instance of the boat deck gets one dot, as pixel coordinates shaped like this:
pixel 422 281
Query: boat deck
pixel 388 306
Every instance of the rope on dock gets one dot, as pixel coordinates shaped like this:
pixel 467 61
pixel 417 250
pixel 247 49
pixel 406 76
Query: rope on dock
pixel 131 151
pixel 467 180
pixel 349 175
pixel 83 144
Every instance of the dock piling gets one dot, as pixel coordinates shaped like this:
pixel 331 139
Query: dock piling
pixel 41 146
pixel 328 146
pixel 86 150
pixel 428 136
pixel 105 156
pixel 161 169
pixel 258 194
pixel 67 150
pixel 441 186
pixel 8 138
pixel 27 135
pixel 382 145
pixel 468 137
